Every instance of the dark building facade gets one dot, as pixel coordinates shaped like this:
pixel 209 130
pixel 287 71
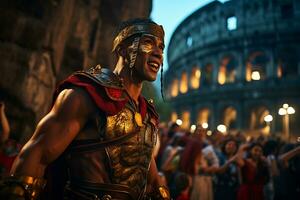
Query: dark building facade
pixel 236 62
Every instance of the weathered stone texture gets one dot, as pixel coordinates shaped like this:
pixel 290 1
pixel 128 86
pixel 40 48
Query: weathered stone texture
pixel 41 42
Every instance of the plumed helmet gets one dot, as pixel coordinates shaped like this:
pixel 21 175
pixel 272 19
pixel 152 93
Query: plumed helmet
pixel 137 27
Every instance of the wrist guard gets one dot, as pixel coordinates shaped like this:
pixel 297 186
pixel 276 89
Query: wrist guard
pixel 161 193
pixel 22 187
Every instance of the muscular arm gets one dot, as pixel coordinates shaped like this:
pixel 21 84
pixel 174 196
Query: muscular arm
pixel 4 123
pixel 54 133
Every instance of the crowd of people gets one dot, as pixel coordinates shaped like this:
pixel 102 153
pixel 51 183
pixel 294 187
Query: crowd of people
pixel 218 166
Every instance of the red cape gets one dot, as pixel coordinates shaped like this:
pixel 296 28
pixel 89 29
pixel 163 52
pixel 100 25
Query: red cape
pixel 108 99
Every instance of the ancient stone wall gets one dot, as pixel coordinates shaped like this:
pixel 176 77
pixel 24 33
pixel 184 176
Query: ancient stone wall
pixel 42 42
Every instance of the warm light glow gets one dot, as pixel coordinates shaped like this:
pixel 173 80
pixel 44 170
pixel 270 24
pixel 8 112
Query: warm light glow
pixel 183 83
pixel 282 111
pixel 179 122
pixel 185 120
pixel 203 116
pixel 222 75
pixel 204 125
pixel 173 116
pixel 222 128
pixel 195 78
pixel 174 88
pixel 193 128
pixel 198 73
pixel 268 118
pixel 209 133
pixel 255 75
pixel 290 110
pixel 286 109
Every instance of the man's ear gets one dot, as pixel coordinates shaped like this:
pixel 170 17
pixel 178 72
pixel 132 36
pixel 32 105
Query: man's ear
pixel 121 51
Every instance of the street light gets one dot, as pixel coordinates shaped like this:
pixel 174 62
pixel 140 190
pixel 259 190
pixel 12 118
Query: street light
pixel 222 128
pixel 286 110
pixel 204 125
pixel 268 119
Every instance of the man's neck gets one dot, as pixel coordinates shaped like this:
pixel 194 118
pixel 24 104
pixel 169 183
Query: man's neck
pixel 133 89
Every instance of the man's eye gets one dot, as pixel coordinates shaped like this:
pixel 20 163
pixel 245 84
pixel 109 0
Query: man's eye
pixel 148 41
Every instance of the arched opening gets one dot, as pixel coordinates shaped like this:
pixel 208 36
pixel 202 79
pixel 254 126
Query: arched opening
pixel 287 63
pixel 257 123
pixel 174 88
pixel 256 66
pixel 229 117
pixel 195 77
pixel 184 83
pixel 227 70
pixel 208 75
pixel 203 116
pixel 186 120
pixel 174 117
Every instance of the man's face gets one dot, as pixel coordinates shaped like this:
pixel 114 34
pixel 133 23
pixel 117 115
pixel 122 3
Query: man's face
pixel 149 57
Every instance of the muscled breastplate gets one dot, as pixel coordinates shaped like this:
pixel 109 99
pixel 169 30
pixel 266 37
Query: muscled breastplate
pixel 130 160
pixel 122 153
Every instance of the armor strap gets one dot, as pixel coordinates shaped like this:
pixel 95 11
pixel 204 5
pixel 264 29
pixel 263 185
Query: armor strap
pixel 75 146
pixel 23 187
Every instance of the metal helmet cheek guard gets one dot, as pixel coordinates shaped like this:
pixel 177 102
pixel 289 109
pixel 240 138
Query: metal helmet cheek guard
pixel 139 28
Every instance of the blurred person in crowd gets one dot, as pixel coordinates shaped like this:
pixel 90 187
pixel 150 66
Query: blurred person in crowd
pixel 183 183
pixel 206 165
pixel 287 185
pixel 171 159
pixel 9 148
pixel 254 173
pixel 190 163
pixel 227 180
pixel 166 138
pixel 270 152
pixel 4 125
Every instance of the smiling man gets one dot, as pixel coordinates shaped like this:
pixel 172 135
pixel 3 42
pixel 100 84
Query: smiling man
pixel 98 138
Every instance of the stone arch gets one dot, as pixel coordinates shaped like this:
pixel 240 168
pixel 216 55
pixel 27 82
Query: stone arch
pixel 256 65
pixel 173 117
pixel 174 88
pixel 204 115
pixel 229 117
pixel 287 62
pixel 195 77
pixel 183 83
pixel 207 74
pixel 185 116
pixel 256 118
pixel 227 70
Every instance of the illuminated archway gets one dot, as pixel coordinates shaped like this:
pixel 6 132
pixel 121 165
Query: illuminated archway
pixel 203 116
pixel 183 83
pixel 230 117
pixel 174 117
pixel 186 120
pixel 257 122
pixel 174 88
pixel 227 70
pixel 256 66
pixel 195 78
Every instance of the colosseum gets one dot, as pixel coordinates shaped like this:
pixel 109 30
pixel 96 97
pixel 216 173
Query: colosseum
pixel 235 63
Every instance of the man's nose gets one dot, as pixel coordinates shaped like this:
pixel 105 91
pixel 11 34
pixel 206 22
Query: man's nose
pixel 158 52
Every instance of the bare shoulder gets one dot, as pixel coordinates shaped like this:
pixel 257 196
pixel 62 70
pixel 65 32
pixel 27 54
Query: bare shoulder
pixel 73 101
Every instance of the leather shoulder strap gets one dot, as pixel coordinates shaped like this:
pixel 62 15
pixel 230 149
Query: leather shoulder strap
pixel 98 144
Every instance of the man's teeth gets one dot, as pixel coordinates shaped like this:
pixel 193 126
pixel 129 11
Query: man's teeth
pixel 154 64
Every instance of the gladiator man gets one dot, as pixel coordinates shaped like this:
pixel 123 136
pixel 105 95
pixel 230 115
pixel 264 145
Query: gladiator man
pixel 97 140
